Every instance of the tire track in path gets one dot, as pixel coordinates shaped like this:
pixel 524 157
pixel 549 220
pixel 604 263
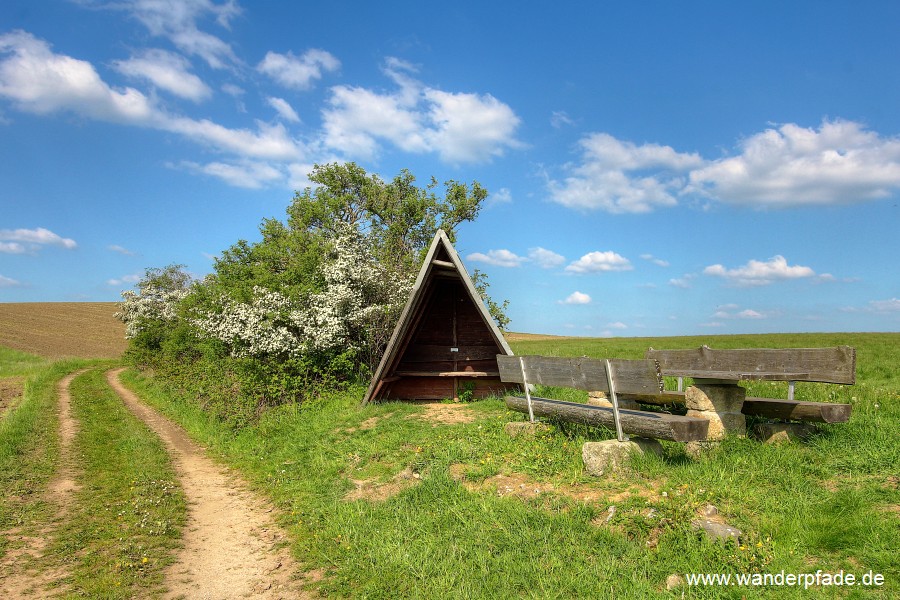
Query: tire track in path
pixel 230 538
pixel 20 579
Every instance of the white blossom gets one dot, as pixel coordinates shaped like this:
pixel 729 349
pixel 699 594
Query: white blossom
pixel 354 309
pixel 153 303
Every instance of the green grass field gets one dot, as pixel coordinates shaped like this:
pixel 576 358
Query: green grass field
pixel 340 477
pixel 408 500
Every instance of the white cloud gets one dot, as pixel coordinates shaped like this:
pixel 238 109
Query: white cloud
pixel 730 311
pixel 501 196
pixel 120 250
pixel 132 279
pixel 617 325
pixel 681 282
pixel 839 163
pixel 468 128
pixel 559 118
pixel 34 237
pixel 883 306
pixel 165 70
pixel 12 248
pixel 42 82
pixel 244 174
pixel 576 298
pixel 358 118
pixel 298 72
pixel 233 90
pixel 284 109
pixel 269 141
pixel 597 262
pixel 459 127
pixel 622 177
pixel 39 81
pixel 545 259
pixel 8 282
pixel 177 21
pixel 757 273
pixel 498 258
pixel 656 261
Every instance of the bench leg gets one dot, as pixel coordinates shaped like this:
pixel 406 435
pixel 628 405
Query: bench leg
pixel 721 405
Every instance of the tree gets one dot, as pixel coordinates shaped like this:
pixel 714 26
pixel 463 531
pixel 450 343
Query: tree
pixel 336 273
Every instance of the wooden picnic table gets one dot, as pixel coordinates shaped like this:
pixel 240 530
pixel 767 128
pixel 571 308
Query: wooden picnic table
pixel 717 395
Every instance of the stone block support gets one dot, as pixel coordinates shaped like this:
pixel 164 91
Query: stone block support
pixel 612 455
pixel 721 405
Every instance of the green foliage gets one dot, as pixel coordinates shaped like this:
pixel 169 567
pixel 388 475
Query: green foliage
pixel 497 311
pixel 398 218
pixel 310 305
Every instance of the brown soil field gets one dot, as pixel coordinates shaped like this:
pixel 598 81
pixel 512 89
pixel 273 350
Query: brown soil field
pixel 512 336
pixel 63 329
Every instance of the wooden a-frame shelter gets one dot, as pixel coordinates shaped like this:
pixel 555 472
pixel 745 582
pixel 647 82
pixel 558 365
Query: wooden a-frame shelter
pixel 446 342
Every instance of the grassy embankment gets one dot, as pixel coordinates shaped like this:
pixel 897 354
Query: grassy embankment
pixel 389 501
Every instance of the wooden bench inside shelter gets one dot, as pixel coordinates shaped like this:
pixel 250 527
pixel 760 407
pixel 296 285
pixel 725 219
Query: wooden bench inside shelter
pixel 613 376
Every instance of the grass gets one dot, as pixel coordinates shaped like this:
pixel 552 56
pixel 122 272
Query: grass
pixel 117 532
pixel 830 503
pixel 28 445
pixel 127 516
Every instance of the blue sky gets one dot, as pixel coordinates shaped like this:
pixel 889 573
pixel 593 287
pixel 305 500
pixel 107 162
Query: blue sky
pixel 655 168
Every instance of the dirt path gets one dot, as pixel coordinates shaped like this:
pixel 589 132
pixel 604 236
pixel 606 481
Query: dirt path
pixel 229 542
pixel 20 576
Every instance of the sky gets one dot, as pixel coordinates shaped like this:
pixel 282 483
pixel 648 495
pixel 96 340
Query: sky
pixel 654 168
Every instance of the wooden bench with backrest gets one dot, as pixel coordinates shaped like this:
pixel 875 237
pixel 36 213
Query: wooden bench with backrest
pixel 613 376
pixel 825 365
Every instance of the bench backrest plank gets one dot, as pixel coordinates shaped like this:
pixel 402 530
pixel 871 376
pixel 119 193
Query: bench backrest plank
pixel 631 376
pixel 827 365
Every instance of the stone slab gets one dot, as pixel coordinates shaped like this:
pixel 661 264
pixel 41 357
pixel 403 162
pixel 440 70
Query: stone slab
pixel 613 455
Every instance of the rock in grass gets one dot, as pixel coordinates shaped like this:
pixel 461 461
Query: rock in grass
pixel 776 433
pixel 526 428
pixel 613 455
pixel 673 581
pixel 717 531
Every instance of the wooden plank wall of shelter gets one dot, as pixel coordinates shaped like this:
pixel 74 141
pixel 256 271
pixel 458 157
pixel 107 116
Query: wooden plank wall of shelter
pixel 429 367
pixel 445 343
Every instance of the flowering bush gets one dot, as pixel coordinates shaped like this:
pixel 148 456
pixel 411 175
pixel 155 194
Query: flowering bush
pixel 354 312
pixel 154 307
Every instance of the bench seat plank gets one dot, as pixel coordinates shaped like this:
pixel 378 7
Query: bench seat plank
pixel 661 426
pixel 819 412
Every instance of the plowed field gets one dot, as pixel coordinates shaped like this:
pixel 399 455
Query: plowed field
pixel 62 329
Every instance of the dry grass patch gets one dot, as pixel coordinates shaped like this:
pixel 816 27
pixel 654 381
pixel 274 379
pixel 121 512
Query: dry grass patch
pixel 377 491
pixel 62 329
pixel 522 486
pixel 440 413
pixel 11 389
